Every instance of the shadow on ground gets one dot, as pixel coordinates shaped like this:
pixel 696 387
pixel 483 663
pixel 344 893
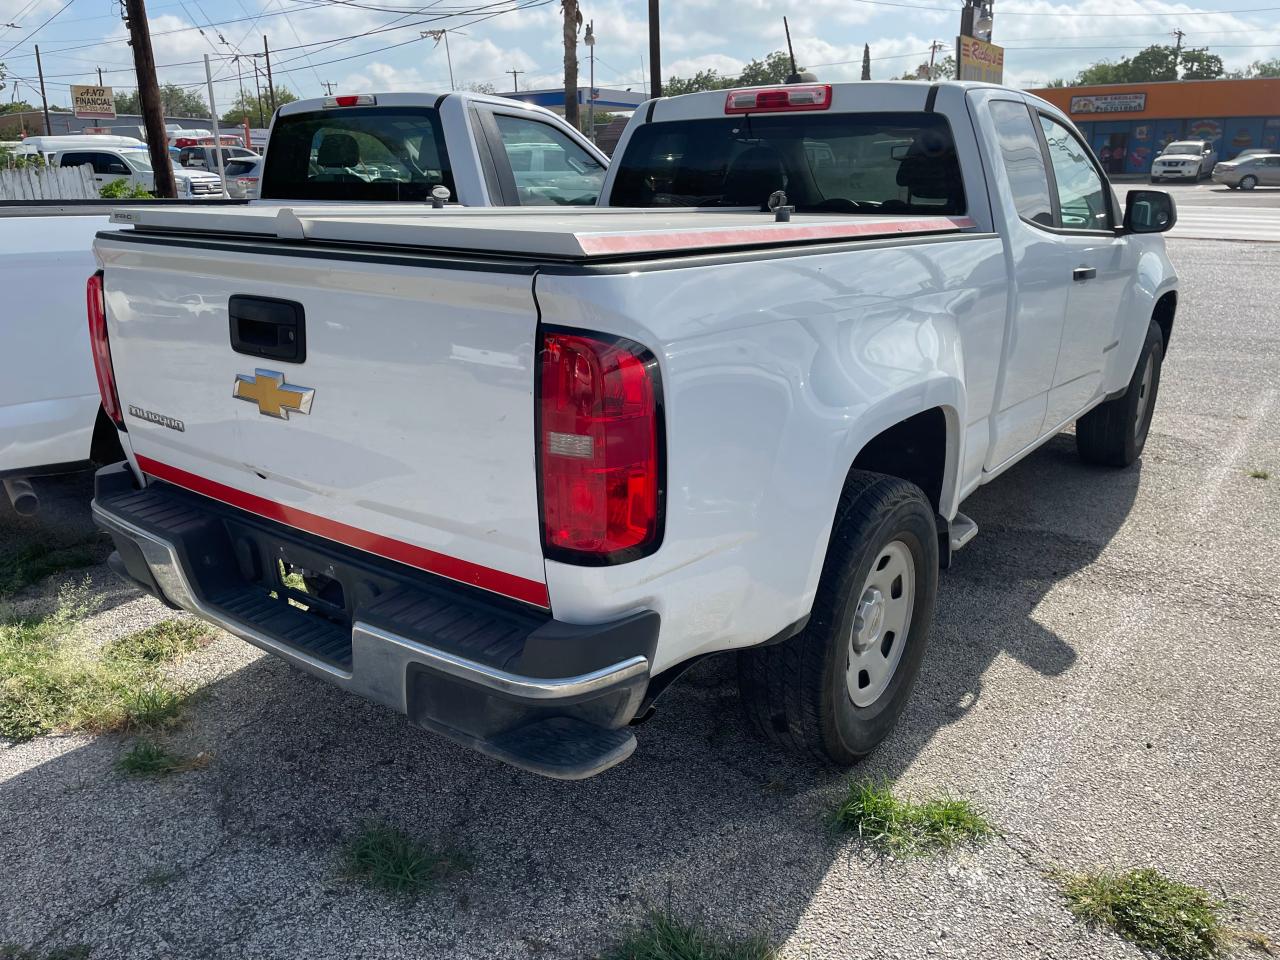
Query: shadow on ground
pixel 240 859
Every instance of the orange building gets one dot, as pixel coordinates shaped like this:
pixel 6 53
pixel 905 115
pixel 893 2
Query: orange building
pixel 1128 124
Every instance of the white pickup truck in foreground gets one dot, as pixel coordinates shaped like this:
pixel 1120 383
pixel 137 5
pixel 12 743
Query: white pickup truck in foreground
pixel 392 147
pixel 508 472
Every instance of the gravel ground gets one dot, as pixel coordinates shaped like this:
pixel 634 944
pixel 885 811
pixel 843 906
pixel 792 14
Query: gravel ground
pixel 1101 683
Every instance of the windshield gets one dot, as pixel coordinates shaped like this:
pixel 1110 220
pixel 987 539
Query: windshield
pixel 850 163
pixel 139 160
pixel 1184 149
pixel 362 153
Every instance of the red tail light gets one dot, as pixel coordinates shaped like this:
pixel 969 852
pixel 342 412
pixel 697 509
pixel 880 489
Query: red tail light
pixel 600 440
pixel 815 96
pixel 97 306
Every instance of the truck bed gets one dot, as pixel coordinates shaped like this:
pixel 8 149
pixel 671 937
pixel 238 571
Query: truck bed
pixel 573 234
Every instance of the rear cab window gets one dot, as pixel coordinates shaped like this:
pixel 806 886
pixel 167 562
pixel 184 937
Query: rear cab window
pixel 874 163
pixel 357 153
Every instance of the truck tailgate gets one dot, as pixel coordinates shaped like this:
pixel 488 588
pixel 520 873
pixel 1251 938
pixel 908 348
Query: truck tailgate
pixel 405 428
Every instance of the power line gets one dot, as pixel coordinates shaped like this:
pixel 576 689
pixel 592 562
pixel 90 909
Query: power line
pixel 39 28
pixel 1046 15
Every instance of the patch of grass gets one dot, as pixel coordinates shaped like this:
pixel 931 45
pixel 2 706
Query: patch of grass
pixel 146 758
pixel 1255 940
pixel 33 562
pixel 163 642
pixel 903 827
pixel 1174 919
pixel 664 937
pixel 389 859
pixel 1260 474
pixel 53 678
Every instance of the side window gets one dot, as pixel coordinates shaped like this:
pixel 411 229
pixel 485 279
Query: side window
pixel 1082 196
pixel 73 160
pixel 1023 161
pixel 108 164
pixel 567 174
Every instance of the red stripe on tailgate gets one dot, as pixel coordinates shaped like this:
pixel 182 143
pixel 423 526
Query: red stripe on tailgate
pixel 607 243
pixel 507 584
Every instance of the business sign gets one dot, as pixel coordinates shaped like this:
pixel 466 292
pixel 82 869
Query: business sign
pixel 93 103
pixel 1110 103
pixel 979 60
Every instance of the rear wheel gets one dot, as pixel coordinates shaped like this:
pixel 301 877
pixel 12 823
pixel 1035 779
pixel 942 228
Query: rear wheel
pixel 835 690
pixel 1114 433
pixel 1248 183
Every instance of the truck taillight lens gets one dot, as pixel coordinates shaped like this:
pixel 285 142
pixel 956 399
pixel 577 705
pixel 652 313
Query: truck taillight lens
pixel 96 303
pixel 600 448
pixel 816 96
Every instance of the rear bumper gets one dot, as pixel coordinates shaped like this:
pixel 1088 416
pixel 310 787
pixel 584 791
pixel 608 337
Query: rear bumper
pixel 511 682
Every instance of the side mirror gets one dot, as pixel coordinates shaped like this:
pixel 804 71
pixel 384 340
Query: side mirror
pixel 1149 211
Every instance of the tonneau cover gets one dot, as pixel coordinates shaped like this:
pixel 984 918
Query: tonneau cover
pixel 560 233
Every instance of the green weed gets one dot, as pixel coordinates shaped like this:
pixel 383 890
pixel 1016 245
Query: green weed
pixel 903 827
pixel 1174 919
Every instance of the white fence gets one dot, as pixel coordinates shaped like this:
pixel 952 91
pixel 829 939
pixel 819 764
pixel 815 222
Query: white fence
pixel 48 183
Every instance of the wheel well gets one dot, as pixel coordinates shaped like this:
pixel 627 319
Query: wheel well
pixel 915 450
pixel 1166 307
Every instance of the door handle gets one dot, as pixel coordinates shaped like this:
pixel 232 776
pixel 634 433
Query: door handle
pixel 267 327
pixel 1084 273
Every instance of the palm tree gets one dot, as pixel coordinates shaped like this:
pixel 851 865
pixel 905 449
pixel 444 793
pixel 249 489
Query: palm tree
pixel 572 24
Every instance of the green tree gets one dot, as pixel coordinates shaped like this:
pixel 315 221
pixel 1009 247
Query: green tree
pixel 258 112
pixel 944 69
pixel 176 101
pixel 1263 68
pixel 1156 62
pixel 1200 64
pixel 775 68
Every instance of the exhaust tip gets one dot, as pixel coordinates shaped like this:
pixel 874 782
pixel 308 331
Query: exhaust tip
pixel 22 495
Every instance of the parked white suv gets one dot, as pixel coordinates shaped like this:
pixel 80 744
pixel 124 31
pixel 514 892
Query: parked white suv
pixel 1184 160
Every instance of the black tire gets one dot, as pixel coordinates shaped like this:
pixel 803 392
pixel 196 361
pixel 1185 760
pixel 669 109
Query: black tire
pixel 1113 433
pixel 795 692
pixel 1249 182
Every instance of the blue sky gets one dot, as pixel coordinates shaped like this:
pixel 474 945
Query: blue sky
pixel 1043 38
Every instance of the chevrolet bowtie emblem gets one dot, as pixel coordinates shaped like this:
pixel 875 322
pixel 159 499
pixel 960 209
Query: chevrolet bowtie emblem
pixel 274 397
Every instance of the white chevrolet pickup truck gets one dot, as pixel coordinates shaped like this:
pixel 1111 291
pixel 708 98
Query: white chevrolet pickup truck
pixel 509 472
pixel 371 147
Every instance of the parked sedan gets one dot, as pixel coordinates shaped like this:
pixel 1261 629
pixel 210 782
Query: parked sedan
pixel 1249 172
pixel 243 177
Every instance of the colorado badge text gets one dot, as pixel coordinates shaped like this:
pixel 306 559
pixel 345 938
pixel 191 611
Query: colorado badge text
pixel 274 397
pixel 159 418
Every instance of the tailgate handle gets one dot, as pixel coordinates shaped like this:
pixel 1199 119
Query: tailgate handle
pixel 269 328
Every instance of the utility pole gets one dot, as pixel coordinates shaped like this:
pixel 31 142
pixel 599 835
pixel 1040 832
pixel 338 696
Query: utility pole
pixel 933 52
pixel 271 87
pixel 144 63
pixel 572 24
pixel 515 80
pixel 655 52
pixel 1177 51
pixel 258 87
pixel 328 87
pixel 591 89
pixel 100 83
pixel 213 114
pixel 48 128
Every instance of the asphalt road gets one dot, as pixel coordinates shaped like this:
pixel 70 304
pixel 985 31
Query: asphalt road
pixel 1101 682
pixel 1210 211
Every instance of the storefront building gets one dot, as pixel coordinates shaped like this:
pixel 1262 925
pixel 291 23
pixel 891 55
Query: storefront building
pixel 1129 124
